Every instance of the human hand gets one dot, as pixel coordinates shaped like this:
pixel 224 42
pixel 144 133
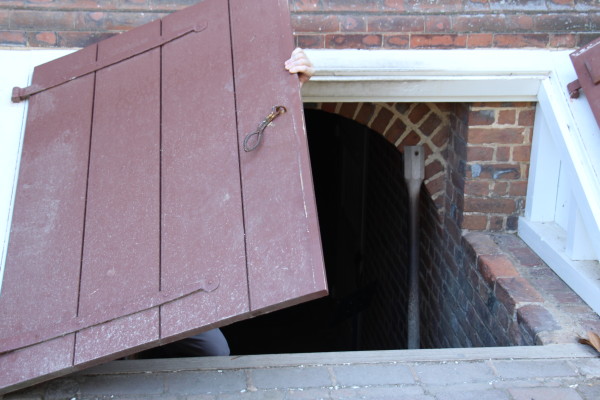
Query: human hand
pixel 300 64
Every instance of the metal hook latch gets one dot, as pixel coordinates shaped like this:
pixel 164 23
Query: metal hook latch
pixel 275 112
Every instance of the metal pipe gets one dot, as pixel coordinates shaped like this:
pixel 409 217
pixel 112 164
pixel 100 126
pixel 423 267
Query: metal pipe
pixel 414 173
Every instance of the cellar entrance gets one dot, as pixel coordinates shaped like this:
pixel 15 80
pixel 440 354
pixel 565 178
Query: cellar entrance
pixel 362 205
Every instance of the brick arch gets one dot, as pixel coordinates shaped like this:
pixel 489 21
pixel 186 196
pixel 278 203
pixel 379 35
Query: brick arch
pixel 408 124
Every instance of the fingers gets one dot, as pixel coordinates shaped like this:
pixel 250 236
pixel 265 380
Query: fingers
pixel 300 64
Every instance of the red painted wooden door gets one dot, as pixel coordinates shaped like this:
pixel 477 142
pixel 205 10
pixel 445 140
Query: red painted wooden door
pixel 139 219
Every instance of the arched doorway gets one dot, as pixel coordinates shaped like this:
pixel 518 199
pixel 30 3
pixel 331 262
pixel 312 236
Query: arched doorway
pixel 362 204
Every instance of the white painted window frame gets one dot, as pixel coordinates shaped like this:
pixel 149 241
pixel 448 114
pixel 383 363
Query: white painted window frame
pixel 486 75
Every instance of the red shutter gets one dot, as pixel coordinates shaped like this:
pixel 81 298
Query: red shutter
pixel 586 62
pixel 139 218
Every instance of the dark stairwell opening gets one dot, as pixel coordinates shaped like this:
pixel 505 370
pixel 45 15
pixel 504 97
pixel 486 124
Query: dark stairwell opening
pixel 362 202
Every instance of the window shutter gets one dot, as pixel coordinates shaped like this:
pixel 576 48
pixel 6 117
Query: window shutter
pixel 139 219
pixel 586 62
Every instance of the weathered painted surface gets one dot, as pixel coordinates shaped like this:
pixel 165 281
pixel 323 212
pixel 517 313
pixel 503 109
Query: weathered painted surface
pixel 139 219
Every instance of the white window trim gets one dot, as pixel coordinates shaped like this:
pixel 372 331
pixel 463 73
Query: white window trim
pixel 486 75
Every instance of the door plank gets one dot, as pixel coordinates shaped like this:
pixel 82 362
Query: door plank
pixel 285 264
pixel 202 225
pixel 120 258
pixel 31 364
pixel 46 237
pixel 117 337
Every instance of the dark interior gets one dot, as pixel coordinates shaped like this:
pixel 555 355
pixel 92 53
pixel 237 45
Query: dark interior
pixel 358 178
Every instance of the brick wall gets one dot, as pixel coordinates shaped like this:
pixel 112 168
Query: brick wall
pixel 394 24
pixel 462 306
pixel 497 164
pixel 490 158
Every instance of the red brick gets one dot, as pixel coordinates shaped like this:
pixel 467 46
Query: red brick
pixel 304 5
pixel 479 23
pixel 310 41
pixel 561 23
pixel 479 153
pixel 519 23
pixel 474 222
pixel 535 40
pixel 493 267
pixel 507 117
pixel 526 117
pixel 477 188
pixel 42 39
pixel 396 5
pixel 535 319
pixel 382 120
pixel 477 5
pixel 41 20
pixel 567 3
pixel 568 40
pixel 427 149
pixel 437 24
pixel 517 188
pixel 438 41
pixel 502 153
pixel 418 112
pixel 496 135
pixel 512 223
pixel 352 23
pixel 396 131
pixel 8 38
pixel 396 24
pixel 365 113
pixel 434 6
pixel 329 107
pixel 81 39
pixel 441 137
pixel 526 257
pixel 512 291
pixel 482 244
pixel 482 117
pixel 436 185
pixel 353 41
pixel 114 21
pixel 4 19
pixel 306 23
pixel 585 38
pixel 521 153
pixel 432 168
pixel 430 124
pixel 500 189
pixel 496 223
pixel 411 139
pixel 162 4
pixel 478 40
pixel 348 110
pixel 397 41
pixel 494 206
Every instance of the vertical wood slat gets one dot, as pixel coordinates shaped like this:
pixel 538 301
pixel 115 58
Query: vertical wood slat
pixel 285 264
pixel 202 224
pixel 120 260
pixel 40 286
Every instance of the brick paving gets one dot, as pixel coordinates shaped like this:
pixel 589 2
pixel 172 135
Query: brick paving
pixel 564 371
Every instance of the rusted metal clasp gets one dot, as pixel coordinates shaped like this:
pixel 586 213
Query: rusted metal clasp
pixel 256 136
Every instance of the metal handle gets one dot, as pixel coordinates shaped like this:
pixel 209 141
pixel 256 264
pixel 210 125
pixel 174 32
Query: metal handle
pixel 257 134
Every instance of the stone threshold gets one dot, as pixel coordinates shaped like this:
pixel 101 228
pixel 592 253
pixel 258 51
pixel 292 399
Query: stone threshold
pixel 548 352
